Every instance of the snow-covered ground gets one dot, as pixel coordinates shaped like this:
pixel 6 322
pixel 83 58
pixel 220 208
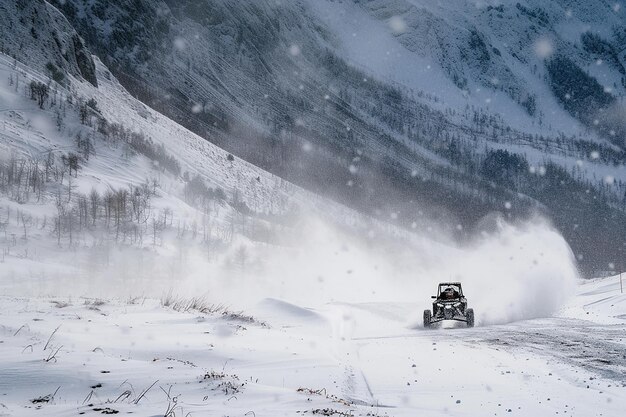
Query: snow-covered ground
pixel 331 299
pixel 69 356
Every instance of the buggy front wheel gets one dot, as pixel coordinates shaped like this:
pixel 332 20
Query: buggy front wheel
pixel 427 318
pixel 469 316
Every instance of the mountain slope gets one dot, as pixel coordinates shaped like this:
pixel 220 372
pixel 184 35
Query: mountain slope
pixel 107 205
pixel 384 104
pixel 146 205
pixel 39 31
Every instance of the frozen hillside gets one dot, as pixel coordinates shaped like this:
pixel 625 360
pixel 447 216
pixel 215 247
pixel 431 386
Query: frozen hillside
pixel 489 55
pixel 463 107
pixel 145 206
pixel 91 171
pixel 48 40
pixel 243 208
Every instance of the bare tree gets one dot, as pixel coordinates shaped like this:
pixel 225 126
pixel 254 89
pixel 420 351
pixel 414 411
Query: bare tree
pixel 39 92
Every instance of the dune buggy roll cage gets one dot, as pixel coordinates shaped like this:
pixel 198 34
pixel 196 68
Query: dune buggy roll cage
pixel 445 285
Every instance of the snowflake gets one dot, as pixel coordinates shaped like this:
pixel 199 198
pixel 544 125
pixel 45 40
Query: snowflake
pixel 294 50
pixel 544 48
pixel 397 24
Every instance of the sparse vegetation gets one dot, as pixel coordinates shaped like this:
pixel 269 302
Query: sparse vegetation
pixel 197 304
pixel 39 92
pixel 201 305
pixel 584 97
pixel 595 44
pixel 46 398
pixel 228 384
pixel 330 412
pixel 322 392
pixel 55 73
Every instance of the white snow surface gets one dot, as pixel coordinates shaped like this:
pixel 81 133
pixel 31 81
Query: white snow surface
pixel 353 358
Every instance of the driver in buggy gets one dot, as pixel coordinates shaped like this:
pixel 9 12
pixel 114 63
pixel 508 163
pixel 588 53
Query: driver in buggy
pixel 449 294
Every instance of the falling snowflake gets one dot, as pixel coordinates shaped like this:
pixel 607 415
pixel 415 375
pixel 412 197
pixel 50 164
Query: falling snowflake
pixel 294 50
pixel 180 43
pixel 544 48
pixel 397 24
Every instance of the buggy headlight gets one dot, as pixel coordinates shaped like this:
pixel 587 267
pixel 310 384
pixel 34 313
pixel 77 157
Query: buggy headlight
pixel 457 304
pixel 439 304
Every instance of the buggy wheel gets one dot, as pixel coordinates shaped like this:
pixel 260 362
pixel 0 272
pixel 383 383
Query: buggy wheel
pixel 427 318
pixel 469 315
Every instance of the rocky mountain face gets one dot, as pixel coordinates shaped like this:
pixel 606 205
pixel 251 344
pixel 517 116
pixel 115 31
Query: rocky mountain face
pixel 405 109
pixel 38 32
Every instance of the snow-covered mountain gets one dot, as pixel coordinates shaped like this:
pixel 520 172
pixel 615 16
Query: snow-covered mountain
pixel 38 33
pixel 89 172
pixel 363 102
pixel 395 107
pixel 129 242
pixel 492 52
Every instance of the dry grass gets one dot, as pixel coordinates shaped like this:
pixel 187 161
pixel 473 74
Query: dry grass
pixel 94 304
pixel 331 412
pixel 60 304
pixel 322 392
pixel 228 384
pixel 201 305
pixel 46 398
pixel 186 305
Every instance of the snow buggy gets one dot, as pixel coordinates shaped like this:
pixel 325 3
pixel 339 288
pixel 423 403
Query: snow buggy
pixel 449 304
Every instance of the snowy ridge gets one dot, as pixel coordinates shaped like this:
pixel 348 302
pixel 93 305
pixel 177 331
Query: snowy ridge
pixel 253 208
pixel 388 105
pixel 428 46
pixel 50 42
pixel 146 270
